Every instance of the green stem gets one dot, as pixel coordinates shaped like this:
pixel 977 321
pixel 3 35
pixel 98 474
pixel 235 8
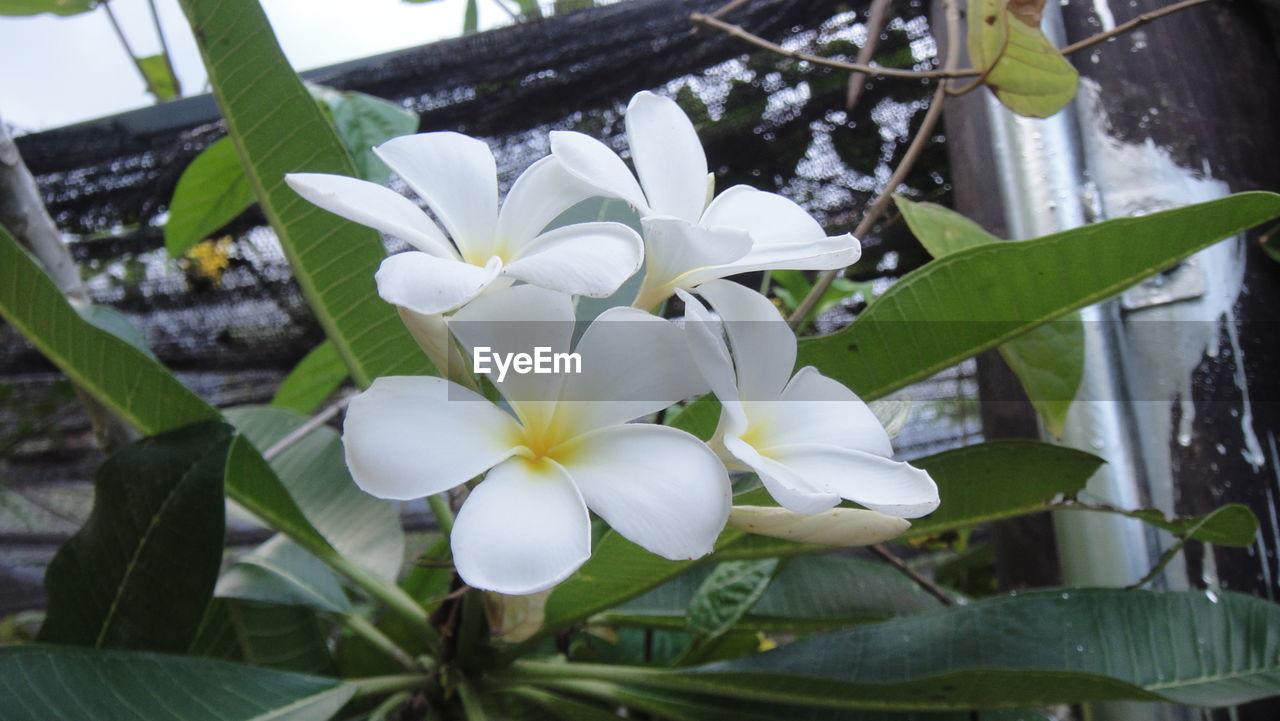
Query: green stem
pixel 471 707
pixel 382 711
pixel 388 593
pixel 439 504
pixel 535 671
pixel 378 685
pixel 361 627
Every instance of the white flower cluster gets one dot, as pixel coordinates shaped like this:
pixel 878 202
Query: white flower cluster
pixel 566 444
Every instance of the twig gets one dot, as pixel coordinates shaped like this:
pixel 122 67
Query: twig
pixel 875 24
pixel 878 71
pixel 312 423
pixel 738 32
pixel 164 49
pixel 928 586
pixel 728 8
pixel 124 41
pixel 922 139
pixel 1133 24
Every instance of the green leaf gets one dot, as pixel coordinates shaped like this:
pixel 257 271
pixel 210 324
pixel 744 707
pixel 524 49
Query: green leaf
pixel 160 82
pixel 287 638
pixel 808 593
pixel 362 528
pixel 1022 66
pixel 211 192
pixel 728 594
pixel 693 707
pixel 967 302
pixel 1049 361
pixel 252 483
pixel 471 17
pixel 314 379
pixel 140 572
pixel 39 682
pixel 55 7
pixel 277 129
pixel 1230 525
pixel 617 570
pixel 1197 648
pixel 940 230
pixel 1041 648
pixel 363 121
pixel 279 571
pixel 699 418
pixel 1000 479
pixel 117 324
pixel 134 386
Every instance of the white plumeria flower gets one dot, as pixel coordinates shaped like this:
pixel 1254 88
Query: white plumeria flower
pixel 492 247
pixel 687 240
pixel 811 440
pixel 568 447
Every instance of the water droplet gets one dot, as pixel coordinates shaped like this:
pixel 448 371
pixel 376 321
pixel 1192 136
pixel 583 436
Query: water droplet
pixel 1066 596
pixel 1222 450
pixel 1080 648
pixel 1213 597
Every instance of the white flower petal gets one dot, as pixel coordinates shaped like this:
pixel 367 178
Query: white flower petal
pixel 826 254
pixel 517 320
pixel 771 218
pixel 764 348
pixel 541 193
pixel 676 249
pixel 633 364
pixel 370 204
pixel 593 163
pixel 845 527
pixel 668 156
pixel 878 483
pixel 458 178
pixel 523 529
pixel 427 284
pixel 414 436
pixel 705 334
pixel 785 235
pixel 787 488
pixel 583 259
pixel 816 409
pixel 657 486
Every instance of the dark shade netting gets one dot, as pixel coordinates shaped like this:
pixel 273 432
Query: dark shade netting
pixel 234 323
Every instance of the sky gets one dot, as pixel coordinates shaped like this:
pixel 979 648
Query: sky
pixel 58 71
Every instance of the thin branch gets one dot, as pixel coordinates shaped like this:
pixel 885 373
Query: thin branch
pixel 124 41
pixel 164 49
pixel 875 25
pixel 925 584
pixel 923 137
pixel 312 423
pixel 1133 24
pixel 878 71
pixel 728 8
